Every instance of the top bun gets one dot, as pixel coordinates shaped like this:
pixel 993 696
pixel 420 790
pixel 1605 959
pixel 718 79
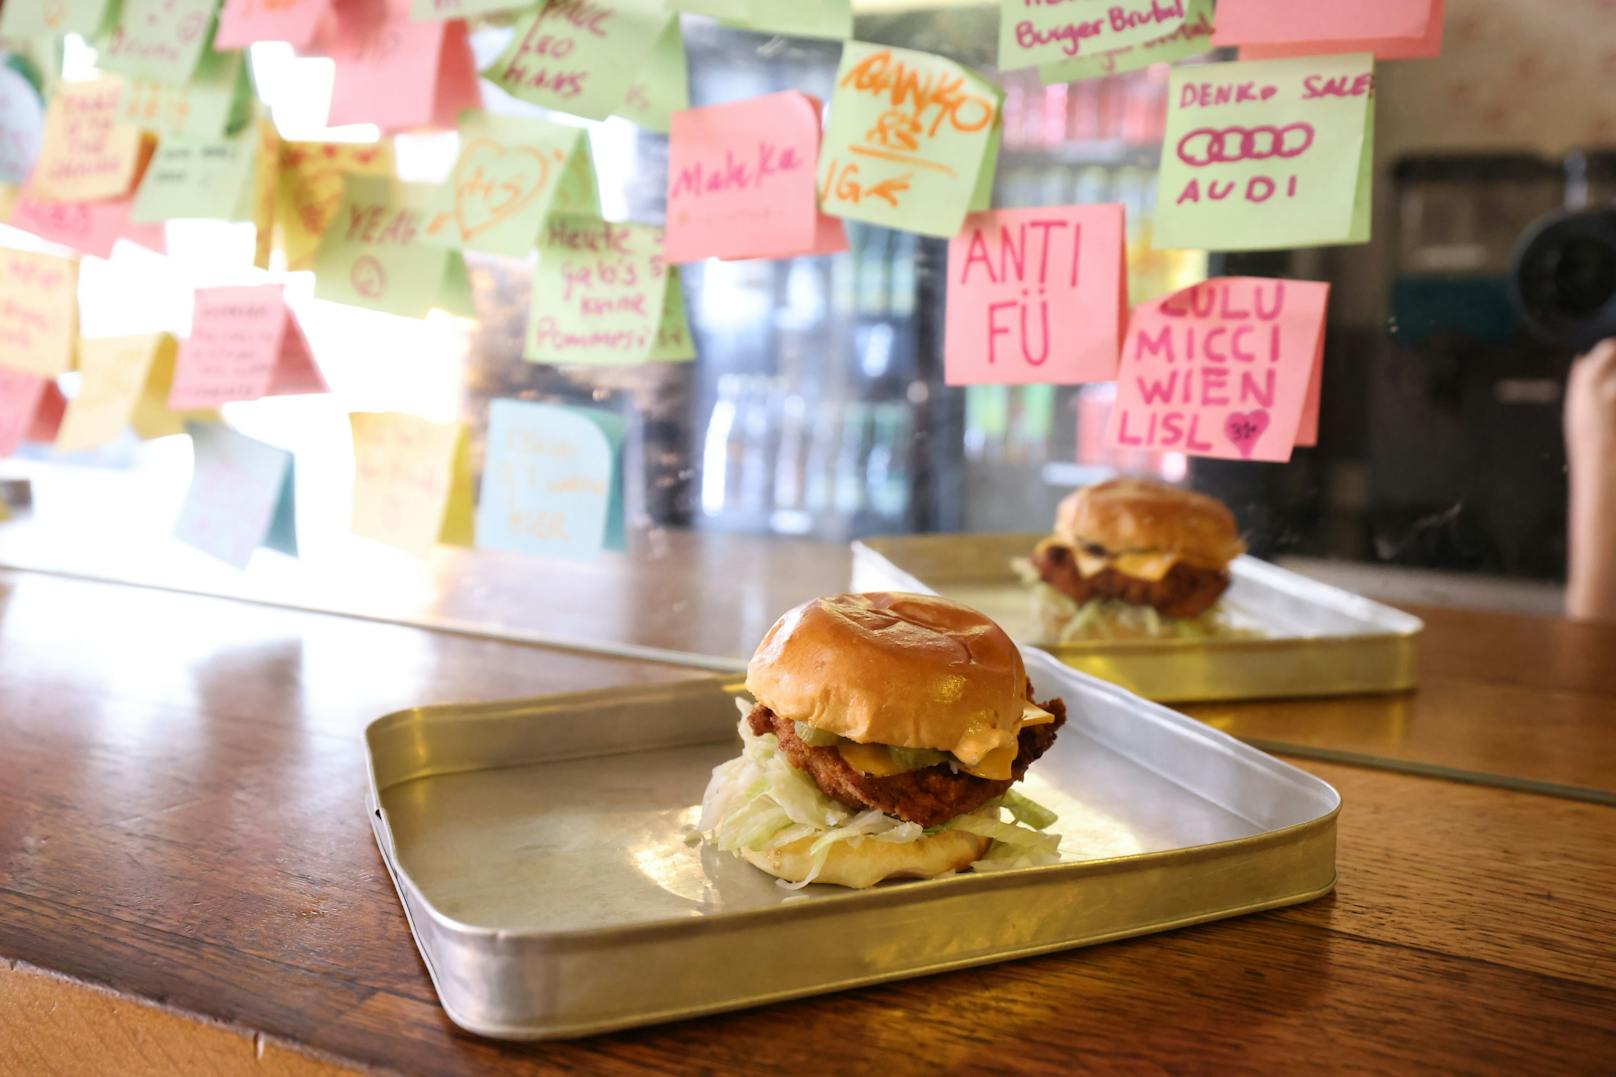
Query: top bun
pixel 911 671
pixel 1144 516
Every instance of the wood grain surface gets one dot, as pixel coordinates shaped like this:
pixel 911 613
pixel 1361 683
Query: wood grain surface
pixel 182 824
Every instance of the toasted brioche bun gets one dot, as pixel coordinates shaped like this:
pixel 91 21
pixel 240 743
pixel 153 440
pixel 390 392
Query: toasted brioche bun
pixel 1143 516
pixel 867 862
pixel 911 671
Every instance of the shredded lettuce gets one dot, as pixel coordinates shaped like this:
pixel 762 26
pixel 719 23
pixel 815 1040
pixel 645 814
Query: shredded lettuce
pixel 1111 618
pixel 1028 811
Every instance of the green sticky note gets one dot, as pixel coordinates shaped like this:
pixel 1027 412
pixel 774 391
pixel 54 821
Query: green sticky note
pixel 1192 38
pixel 209 178
pixel 673 341
pixel 439 10
pixel 23 20
pixel 662 86
pixel 508 176
pixel 599 294
pixel 372 254
pixel 1264 154
pixel 577 58
pixel 1363 202
pixel 908 137
pixel 791 18
pixel 216 102
pixel 982 196
pixel 1033 33
pixel 161 40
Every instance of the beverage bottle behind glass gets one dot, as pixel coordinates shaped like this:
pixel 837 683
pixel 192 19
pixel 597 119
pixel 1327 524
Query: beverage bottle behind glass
pixel 849 497
pixel 756 433
pixel 822 452
pixel 715 455
pixel 905 278
pixel 887 475
pixel 791 460
pixel 875 273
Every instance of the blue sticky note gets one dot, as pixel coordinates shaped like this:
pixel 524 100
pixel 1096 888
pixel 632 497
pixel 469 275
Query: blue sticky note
pixel 282 536
pixel 552 481
pixel 241 496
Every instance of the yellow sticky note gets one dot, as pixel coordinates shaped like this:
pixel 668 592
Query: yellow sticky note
pixel 265 168
pixel 87 152
pixel 39 308
pixel 309 190
pixel 412 481
pixel 113 375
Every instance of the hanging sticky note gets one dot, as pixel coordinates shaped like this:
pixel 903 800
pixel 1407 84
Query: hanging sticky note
pixel 373 254
pixel 245 343
pixel 202 178
pixel 242 22
pixel 216 102
pixel 673 341
pixel 242 496
pixel 1266 154
pixel 115 380
pixel 429 10
pixel 397 73
pixel 308 190
pixel 1192 38
pixel 87 151
pixel 908 138
pixel 22 125
pixel 1017 277
pixel 741 180
pixel 661 87
pixel 599 293
pixel 789 18
pixel 1032 32
pixel 39 305
pixel 1222 369
pixel 20 398
pixel 1391 29
pixel 87 227
pixel 552 481
pixel 580 57
pixel 412 481
pixel 24 20
pixel 510 174
pixel 159 40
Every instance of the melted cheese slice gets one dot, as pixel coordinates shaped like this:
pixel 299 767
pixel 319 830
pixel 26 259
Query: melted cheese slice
pixel 876 761
pixel 1141 566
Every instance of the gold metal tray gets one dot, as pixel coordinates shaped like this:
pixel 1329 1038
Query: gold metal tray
pixel 1316 640
pixel 539 851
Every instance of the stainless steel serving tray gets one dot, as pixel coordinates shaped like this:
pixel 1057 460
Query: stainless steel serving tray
pixel 1316 640
pixel 539 849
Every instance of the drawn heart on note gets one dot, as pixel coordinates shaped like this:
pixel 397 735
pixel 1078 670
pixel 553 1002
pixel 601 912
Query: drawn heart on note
pixel 1267 92
pixel 1244 429
pixel 492 181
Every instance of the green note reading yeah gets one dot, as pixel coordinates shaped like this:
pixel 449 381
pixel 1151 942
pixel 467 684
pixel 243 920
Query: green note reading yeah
pixel 372 255
pixel 1267 154
pixel 580 58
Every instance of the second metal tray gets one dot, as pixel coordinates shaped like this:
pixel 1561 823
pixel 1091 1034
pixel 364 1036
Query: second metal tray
pixel 1316 640
pixel 540 851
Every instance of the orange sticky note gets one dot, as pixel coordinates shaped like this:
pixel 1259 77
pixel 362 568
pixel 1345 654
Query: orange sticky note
pixel 242 22
pixel 412 481
pixel 86 151
pixel 87 227
pixel 39 309
pixel 245 343
pixel 397 73
pixel 1225 368
pixel 1036 296
pixel 741 181
pixel 20 398
pixel 1272 29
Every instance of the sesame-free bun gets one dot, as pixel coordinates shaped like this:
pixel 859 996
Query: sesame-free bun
pixel 911 671
pixel 1144 516
pixel 865 861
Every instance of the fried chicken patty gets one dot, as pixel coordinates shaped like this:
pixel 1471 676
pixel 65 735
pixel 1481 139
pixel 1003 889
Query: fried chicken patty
pixel 1186 590
pixel 929 796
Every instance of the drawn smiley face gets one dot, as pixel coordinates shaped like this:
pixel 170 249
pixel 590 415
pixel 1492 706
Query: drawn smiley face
pixel 368 277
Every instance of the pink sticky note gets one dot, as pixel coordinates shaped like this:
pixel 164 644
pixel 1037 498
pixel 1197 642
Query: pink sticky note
pixel 87 227
pixel 243 22
pixel 20 395
pixel 741 181
pixel 397 73
pixel 1222 369
pixel 1272 29
pixel 1036 296
pixel 244 344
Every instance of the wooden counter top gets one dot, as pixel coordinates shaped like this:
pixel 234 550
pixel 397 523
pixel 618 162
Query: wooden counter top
pixel 182 824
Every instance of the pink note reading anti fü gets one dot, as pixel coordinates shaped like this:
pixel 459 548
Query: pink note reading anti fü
pixel 1225 368
pixel 242 22
pixel 87 227
pixel 1036 296
pixel 741 181
pixel 397 73
pixel 244 344
pixel 1273 29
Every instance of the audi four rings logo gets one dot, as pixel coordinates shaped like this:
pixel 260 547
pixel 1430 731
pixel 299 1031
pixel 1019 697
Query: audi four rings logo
pixel 1223 146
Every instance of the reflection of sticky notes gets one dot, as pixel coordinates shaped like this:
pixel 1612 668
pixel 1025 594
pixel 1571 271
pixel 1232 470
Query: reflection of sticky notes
pixel 600 294
pixel 1224 368
pixel 397 73
pixel 509 175
pixel 580 60
pixel 308 190
pixel 118 385
pixel 789 18
pixel 373 253
pixel 741 180
pixel 909 137
pixel 428 10
pixel 21 20
pixel 22 125
pixel 1267 153
pixel 159 40
pixel 218 100
pixel 242 22
pixel 87 151
pixel 412 481
pixel 1036 33
pixel 204 178
pixel 20 397
pixel 242 496
pixel 87 227
pixel 1391 29
pixel 661 87
pixel 1192 37
pixel 1036 296
pixel 39 305
pixel 552 483
pixel 245 343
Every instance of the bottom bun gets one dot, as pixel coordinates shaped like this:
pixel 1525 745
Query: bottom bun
pixel 865 862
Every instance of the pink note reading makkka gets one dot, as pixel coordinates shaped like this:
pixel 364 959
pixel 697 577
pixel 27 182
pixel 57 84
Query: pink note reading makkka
pixel 245 343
